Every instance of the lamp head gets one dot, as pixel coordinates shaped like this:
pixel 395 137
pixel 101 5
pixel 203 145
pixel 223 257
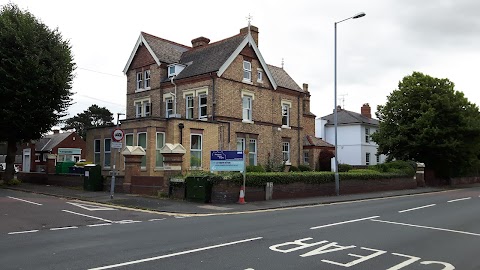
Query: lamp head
pixel 359 15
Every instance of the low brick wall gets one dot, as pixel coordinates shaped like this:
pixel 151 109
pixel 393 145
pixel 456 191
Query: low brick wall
pixel 464 180
pixel 118 183
pixel 148 185
pixel 68 180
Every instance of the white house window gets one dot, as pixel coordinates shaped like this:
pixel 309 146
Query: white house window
pixel 37 157
pixel 189 107
pixel 367 158
pixel 247 108
pixel 202 106
pixel 171 71
pixel 96 150
pixel 146 108
pixel 259 75
pixel 286 152
pixel 147 79
pixel 240 144
pixel 306 157
pixel 378 158
pixel 168 107
pixel 285 115
pixel 142 141
pixel 142 108
pixel 247 71
pixel 160 143
pixel 195 150
pixel 139 80
pixel 367 135
pixel 107 154
pixel 129 139
pixel 252 152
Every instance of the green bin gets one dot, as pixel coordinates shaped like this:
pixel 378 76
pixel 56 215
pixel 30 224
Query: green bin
pixel 63 167
pixel 198 188
pixel 93 179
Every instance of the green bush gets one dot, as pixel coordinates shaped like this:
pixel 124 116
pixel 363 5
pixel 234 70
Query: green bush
pixel 255 168
pixel 344 167
pixel 14 182
pixel 370 171
pixel 304 168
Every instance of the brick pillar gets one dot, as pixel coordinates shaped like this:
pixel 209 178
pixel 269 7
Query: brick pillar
pixel 172 161
pixel 133 161
pixel 50 164
pixel 420 174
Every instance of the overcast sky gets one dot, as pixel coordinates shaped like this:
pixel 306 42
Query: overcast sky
pixel 438 37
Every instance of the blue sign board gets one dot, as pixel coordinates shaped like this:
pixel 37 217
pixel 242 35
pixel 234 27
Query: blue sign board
pixel 226 161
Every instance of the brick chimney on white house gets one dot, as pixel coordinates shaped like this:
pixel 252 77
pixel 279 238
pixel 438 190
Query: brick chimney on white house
pixel 253 31
pixel 200 41
pixel 365 110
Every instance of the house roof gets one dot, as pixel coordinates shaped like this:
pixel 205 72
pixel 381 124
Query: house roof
pixel 165 50
pixel 48 142
pixel 345 117
pixel 314 141
pixel 283 79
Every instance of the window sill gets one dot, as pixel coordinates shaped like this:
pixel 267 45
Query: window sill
pixel 246 121
pixel 260 81
pixel 288 163
pixel 141 90
pixel 195 168
pixel 286 127
pixel 203 119
pixel 247 82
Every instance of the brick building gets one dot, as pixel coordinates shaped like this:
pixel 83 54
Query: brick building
pixel 208 96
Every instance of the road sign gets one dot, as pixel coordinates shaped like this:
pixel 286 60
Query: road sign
pixel 116 145
pixel 231 161
pixel 117 135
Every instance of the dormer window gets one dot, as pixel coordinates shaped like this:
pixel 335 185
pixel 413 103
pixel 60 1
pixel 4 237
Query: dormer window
pixel 247 71
pixel 174 69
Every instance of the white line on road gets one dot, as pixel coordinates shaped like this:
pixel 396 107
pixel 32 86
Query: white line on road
pixel 24 200
pixel 175 254
pixel 425 227
pixel 127 221
pixel 75 213
pixel 156 219
pixel 63 228
pixel 23 232
pixel 98 225
pixel 416 208
pixel 462 199
pixel 343 222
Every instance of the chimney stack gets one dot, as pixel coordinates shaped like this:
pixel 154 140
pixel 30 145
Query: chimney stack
pixel 200 41
pixel 253 31
pixel 365 110
pixel 306 99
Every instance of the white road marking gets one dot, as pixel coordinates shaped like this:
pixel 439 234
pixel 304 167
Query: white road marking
pixel 175 254
pixel 462 199
pixel 23 232
pixel 98 225
pixel 127 221
pixel 24 200
pixel 63 228
pixel 90 207
pixel 343 222
pixel 75 213
pixel 181 216
pixel 156 219
pixel 416 208
pixel 425 227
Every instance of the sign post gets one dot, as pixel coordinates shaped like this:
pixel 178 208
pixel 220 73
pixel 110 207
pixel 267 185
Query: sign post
pixel 231 161
pixel 117 137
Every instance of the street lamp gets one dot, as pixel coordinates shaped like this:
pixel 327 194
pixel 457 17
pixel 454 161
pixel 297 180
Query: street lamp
pixel 335 116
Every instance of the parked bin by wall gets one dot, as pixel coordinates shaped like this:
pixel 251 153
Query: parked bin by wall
pixel 269 191
pixel 176 188
pixel 198 188
pixel 92 178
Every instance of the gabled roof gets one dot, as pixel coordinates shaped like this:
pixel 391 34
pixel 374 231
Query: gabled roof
pixel 314 141
pixel 283 79
pixel 345 117
pixel 48 142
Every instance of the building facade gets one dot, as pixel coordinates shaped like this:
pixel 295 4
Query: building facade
pixel 208 96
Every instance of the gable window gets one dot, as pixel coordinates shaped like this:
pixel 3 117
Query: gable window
pixel 367 135
pixel 202 106
pixel 168 107
pixel 252 152
pixel 189 107
pixel 247 71
pixel 139 80
pixel 367 158
pixel 107 153
pixel 96 150
pixel 259 75
pixel 160 144
pixel 195 150
pixel 142 141
pixel 247 108
pixel 142 108
pixel 285 115
pixel 147 79
pixel 286 152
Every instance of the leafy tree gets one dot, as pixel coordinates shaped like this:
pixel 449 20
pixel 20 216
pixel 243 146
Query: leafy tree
pixel 426 120
pixel 36 73
pixel 94 116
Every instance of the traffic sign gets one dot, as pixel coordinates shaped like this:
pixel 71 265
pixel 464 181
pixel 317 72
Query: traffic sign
pixel 116 145
pixel 117 135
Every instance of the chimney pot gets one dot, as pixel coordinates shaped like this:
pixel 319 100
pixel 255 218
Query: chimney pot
pixel 366 111
pixel 200 41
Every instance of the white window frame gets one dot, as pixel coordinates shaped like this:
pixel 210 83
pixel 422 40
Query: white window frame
pixel 367 158
pixel 286 114
pixel 145 148
pixel 191 109
pixel 247 111
pixel 95 152
pixel 139 80
pixel 259 75
pixel 378 158
pixel 200 106
pixel 143 107
pixel 196 150
pixel 157 148
pixel 241 141
pixel 306 157
pixel 146 79
pixel 171 74
pixel 168 111
pixel 367 135
pixel 254 153
pixel 37 157
pixel 107 142
pixel 247 70
pixel 286 152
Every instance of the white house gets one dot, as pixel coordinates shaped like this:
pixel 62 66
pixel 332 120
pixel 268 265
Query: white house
pixel 355 146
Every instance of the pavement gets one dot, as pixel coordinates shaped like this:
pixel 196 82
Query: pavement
pixel 174 206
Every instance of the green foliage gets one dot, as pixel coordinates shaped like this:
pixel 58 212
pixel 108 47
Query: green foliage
pixel 364 171
pixel 14 182
pixel 255 168
pixel 397 166
pixel 294 169
pixel 271 166
pixel 426 120
pixel 344 167
pixel 36 75
pixel 304 168
pixel 94 116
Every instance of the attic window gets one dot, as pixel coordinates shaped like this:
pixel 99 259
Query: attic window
pixel 174 69
pixel 171 71
pixel 247 71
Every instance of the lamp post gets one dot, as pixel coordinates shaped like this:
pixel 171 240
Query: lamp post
pixel 335 116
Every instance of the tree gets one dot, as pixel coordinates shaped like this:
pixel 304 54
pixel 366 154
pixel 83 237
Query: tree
pixel 36 73
pixel 94 116
pixel 426 120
